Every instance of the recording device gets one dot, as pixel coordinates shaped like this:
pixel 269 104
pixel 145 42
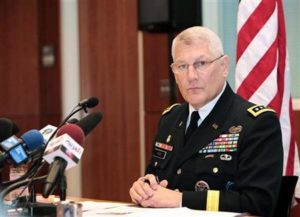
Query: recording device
pixel 47 132
pixel 89 102
pixel 89 122
pixel 66 145
pixel 63 152
pixel 34 155
pixel 72 121
pixel 82 105
pixel 18 149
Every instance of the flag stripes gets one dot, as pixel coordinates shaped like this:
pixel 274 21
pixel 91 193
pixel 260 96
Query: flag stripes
pixel 262 69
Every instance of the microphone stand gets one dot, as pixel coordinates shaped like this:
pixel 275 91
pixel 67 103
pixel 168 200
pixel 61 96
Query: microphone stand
pixel 31 208
pixel 33 170
pixel 63 188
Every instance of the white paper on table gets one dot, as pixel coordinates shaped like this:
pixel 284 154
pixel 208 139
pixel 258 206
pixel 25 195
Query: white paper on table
pixel 92 209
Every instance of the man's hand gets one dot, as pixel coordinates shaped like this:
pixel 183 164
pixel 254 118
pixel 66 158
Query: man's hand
pixel 143 188
pixel 163 197
pixel 148 193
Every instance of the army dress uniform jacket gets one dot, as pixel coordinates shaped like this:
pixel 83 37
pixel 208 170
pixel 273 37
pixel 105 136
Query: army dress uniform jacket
pixel 232 162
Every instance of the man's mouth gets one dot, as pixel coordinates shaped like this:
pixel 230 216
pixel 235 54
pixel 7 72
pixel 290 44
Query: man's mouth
pixel 193 88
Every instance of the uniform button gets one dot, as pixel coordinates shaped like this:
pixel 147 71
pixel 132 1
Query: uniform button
pixel 155 164
pixel 179 171
pixel 215 170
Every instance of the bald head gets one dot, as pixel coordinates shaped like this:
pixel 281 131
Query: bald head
pixel 199 33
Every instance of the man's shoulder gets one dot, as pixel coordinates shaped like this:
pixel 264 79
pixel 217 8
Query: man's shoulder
pixel 251 109
pixel 172 109
pixel 257 110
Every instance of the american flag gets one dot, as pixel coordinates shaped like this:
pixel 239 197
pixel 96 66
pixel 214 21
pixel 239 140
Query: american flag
pixel 262 70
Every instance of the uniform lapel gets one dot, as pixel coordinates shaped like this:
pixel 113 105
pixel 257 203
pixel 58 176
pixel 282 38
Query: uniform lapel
pixel 211 127
pixel 180 127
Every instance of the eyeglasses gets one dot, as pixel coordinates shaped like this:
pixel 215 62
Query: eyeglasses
pixel 199 66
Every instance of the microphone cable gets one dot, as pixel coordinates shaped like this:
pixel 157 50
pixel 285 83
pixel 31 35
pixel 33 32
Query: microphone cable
pixel 82 105
pixel 36 167
pixel 15 186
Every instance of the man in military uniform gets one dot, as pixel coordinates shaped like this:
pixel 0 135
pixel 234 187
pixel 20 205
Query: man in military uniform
pixel 216 152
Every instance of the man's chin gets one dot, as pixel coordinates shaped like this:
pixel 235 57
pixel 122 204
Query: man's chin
pixel 196 103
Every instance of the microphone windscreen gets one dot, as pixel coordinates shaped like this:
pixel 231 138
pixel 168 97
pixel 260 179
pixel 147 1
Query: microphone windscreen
pixel 89 103
pixel 15 128
pixel 89 122
pixel 92 102
pixel 72 121
pixel 33 139
pixel 74 131
pixel 7 128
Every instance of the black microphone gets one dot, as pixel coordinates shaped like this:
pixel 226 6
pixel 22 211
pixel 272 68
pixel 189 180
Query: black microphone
pixel 89 122
pixel 72 121
pixel 7 128
pixel 82 105
pixel 89 102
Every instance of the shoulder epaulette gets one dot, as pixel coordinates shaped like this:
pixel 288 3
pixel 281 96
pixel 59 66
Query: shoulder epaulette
pixel 256 110
pixel 170 108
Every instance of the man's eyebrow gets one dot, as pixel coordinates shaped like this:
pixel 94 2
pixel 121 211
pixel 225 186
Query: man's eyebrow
pixel 200 58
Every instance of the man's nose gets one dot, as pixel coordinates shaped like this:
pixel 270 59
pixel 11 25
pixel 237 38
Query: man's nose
pixel 192 73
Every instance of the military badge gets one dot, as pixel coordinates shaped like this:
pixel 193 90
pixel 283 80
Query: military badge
pixel 256 110
pixel 180 124
pixel 168 138
pixel 229 185
pixel 164 146
pixel 170 108
pixel 226 157
pixel 215 170
pixel 224 143
pixel 159 153
pixel 201 186
pixel 215 126
pixel 209 156
pixel 235 129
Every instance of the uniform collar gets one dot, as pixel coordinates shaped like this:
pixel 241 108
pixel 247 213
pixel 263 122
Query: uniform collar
pixel 206 109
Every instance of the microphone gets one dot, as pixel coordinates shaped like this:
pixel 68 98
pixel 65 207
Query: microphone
pixel 34 156
pixel 47 132
pixel 50 130
pixel 72 130
pixel 63 153
pixel 72 121
pixel 7 128
pixel 89 122
pixel 89 102
pixel 82 105
pixel 19 149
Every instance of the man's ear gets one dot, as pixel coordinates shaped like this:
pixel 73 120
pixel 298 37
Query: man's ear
pixel 225 65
